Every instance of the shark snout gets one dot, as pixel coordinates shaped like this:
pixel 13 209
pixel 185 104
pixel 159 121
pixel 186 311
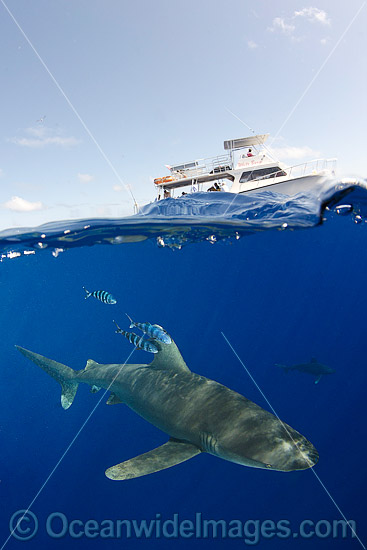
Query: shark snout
pixel 305 456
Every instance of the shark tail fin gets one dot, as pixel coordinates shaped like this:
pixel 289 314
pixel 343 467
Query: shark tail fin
pixel 65 376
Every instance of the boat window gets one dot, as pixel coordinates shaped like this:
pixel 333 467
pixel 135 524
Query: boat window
pixel 186 166
pixel 273 172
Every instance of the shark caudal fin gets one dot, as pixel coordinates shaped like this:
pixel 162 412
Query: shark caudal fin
pixel 64 375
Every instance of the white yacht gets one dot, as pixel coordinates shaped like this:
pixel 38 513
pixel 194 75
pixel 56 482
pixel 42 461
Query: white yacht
pixel 247 167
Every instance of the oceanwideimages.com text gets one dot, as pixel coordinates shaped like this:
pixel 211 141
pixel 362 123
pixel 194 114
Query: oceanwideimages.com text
pixel 25 525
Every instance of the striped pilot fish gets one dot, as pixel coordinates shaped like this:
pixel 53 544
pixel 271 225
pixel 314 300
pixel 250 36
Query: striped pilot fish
pixel 140 342
pixel 153 331
pixel 101 295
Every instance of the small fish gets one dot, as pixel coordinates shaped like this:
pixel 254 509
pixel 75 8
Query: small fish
pixel 140 342
pixel 101 295
pixel 153 331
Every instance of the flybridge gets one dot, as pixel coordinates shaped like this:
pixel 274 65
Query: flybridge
pixel 214 165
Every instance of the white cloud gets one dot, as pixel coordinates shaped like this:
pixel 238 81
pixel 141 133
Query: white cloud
pixel 279 23
pixel 18 204
pixel 314 15
pixel 252 45
pixel 294 153
pixel 85 178
pixel 288 25
pixel 118 188
pixel 37 131
pixel 41 136
pixel 38 143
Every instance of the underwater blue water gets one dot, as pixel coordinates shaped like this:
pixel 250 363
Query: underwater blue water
pixel 279 293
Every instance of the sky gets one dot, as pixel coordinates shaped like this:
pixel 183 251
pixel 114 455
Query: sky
pixel 97 96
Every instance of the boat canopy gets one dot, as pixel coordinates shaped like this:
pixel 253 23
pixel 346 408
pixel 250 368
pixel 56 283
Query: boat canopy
pixel 245 142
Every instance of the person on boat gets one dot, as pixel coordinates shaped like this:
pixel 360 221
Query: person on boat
pixel 167 194
pixel 214 187
pixel 249 154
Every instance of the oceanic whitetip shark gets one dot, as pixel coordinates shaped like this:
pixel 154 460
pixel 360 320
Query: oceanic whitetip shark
pixel 313 367
pixel 199 414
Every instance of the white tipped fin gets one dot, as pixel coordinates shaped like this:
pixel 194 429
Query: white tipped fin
pixel 64 375
pixel 68 394
pixel 171 453
pixel 113 400
pixel 90 363
pixel 168 358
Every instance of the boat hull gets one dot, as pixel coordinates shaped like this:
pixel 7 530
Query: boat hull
pixel 289 187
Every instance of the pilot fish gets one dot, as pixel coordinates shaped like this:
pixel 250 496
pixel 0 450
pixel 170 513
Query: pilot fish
pixel 101 295
pixel 140 342
pixel 153 331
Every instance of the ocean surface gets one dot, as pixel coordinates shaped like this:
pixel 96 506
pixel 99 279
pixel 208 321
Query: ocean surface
pixel 241 284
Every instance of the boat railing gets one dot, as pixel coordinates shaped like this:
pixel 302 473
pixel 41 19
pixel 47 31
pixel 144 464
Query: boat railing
pixel 211 165
pixel 309 168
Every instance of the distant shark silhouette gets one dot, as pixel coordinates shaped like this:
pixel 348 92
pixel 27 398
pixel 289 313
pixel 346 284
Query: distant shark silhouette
pixel 200 415
pixel 313 367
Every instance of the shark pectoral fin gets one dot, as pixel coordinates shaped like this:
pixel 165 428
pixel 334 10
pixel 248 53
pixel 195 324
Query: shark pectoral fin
pixel 318 379
pixel 113 400
pixel 171 453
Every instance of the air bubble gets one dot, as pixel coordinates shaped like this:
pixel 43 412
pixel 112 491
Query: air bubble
pixel 344 209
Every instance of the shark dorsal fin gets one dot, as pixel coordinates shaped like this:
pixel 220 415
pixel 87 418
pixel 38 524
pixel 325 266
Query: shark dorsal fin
pixel 90 363
pixel 113 400
pixel 168 358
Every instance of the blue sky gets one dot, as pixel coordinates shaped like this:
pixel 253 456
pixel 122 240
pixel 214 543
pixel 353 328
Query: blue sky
pixel 154 83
